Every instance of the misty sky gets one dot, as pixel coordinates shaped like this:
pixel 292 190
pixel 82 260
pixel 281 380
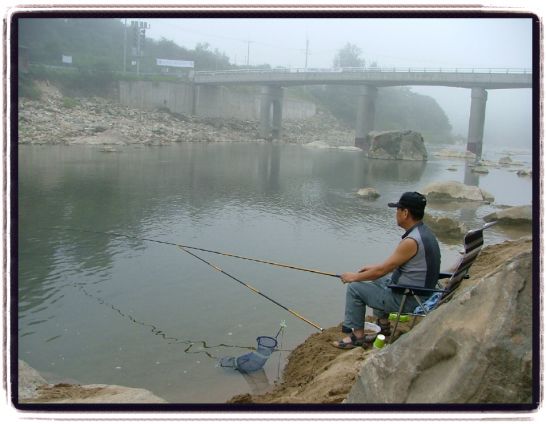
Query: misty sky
pixel 390 42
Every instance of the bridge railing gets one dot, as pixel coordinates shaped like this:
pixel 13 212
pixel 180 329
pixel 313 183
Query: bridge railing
pixel 371 70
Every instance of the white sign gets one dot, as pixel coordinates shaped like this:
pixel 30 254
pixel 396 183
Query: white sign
pixel 67 59
pixel 175 63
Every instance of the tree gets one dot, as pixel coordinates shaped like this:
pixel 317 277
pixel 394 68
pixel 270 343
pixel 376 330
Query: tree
pixel 349 57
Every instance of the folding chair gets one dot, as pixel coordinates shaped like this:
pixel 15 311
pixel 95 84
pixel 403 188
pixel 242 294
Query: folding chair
pixel 473 242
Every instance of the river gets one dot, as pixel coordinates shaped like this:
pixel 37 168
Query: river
pixel 97 308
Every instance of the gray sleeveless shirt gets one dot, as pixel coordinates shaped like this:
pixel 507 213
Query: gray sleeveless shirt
pixel 423 269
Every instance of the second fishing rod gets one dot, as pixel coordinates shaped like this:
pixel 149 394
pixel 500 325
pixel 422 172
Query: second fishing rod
pixel 231 255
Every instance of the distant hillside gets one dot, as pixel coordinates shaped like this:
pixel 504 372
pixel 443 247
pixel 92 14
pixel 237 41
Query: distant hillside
pixel 397 108
pixel 100 43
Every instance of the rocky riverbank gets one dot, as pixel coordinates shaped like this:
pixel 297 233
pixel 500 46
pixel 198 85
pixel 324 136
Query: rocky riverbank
pixel 57 119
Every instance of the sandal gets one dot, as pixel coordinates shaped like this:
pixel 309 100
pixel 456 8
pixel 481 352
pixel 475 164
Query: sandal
pixel 355 342
pixel 385 328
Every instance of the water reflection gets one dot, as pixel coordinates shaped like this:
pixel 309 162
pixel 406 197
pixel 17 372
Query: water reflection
pixel 395 170
pixel 257 382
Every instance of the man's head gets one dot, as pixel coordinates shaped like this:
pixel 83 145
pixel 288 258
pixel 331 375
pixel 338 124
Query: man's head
pixel 413 202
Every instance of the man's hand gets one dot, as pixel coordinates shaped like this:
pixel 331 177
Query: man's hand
pixel 349 277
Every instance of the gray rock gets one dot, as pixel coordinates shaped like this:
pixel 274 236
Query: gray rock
pixel 30 381
pixel 456 191
pixel 517 215
pixel 477 348
pixel 480 169
pixel 369 193
pixel 401 145
pixel 447 153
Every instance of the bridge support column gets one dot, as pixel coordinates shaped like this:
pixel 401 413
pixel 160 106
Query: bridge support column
pixel 271 112
pixel 365 116
pixel 476 122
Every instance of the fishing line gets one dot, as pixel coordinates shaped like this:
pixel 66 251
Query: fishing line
pixel 156 331
pixel 329 274
pixel 255 290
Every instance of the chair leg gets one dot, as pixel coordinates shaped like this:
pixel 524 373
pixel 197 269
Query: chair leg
pixel 418 299
pixel 398 317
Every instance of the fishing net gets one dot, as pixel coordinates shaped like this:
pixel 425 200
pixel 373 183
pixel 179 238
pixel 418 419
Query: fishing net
pixel 252 361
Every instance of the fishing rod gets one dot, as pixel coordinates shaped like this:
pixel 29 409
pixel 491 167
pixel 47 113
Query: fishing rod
pixel 329 274
pixel 255 290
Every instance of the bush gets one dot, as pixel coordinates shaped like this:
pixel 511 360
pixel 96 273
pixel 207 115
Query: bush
pixel 27 88
pixel 69 102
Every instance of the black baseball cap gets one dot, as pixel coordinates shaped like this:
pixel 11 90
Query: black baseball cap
pixel 411 200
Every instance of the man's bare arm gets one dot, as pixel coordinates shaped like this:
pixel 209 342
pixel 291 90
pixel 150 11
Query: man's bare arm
pixel 403 253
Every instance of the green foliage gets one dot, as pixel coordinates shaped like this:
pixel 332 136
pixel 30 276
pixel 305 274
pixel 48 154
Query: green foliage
pixel 27 88
pixel 397 108
pixel 69 102
pixel 98 44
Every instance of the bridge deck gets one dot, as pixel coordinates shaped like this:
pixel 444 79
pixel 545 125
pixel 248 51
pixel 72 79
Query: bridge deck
pixel 379 77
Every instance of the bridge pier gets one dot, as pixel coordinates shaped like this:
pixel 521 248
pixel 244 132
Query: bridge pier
pixel 476 122
pixel 271 111
pixel 365 116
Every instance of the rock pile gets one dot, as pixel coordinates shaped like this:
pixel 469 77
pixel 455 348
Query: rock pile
pixel 55 119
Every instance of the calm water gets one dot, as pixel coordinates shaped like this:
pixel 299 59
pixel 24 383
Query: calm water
pixel 100 309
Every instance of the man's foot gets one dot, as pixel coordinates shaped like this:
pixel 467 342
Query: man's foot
pixel 351 342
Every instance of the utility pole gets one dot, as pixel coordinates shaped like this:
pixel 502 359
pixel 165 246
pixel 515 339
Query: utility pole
pixel 125 46
pixel 248 54
pixel 138 50
pixel 139 34
pixel 306 51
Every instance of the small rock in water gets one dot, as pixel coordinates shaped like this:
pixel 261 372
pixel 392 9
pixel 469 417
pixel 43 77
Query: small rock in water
pixel 368 192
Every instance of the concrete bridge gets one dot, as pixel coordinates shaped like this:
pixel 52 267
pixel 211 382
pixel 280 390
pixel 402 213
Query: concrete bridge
pixel 367 82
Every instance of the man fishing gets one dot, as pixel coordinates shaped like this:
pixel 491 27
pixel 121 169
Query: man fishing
pixel 414 262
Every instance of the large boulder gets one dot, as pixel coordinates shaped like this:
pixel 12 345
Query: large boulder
pixel 517 215
pixel 477 348
pixel 455 191
pixel 401 145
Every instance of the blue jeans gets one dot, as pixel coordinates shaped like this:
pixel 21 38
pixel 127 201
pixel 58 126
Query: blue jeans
pixel 377 296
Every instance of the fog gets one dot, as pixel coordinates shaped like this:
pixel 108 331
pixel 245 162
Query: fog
pixel 447 43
